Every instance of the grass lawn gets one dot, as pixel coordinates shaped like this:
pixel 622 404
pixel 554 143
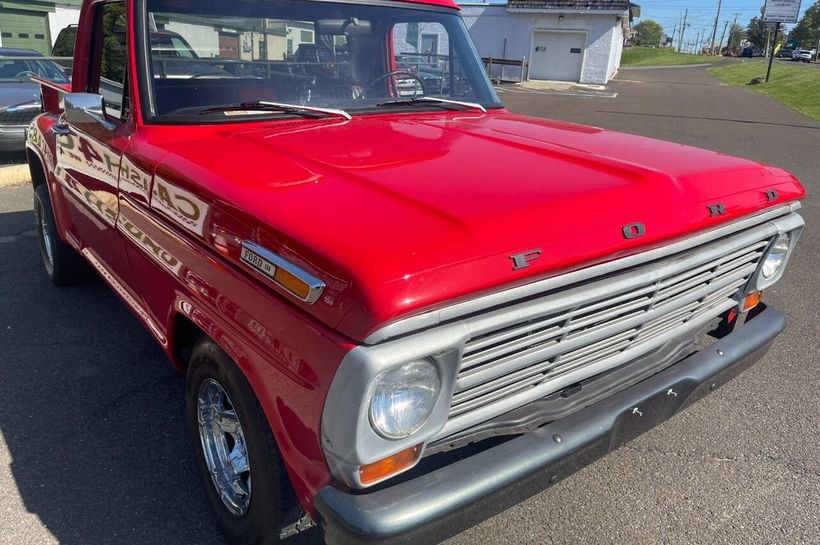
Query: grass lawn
pixel 647 56
pixel 795 86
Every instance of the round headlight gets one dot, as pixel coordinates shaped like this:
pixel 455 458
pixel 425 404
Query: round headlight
pixel 776 256
pixel 403 398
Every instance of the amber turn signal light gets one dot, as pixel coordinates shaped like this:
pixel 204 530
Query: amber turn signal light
pixel 378 471
pixel 290 282
pixel 751 301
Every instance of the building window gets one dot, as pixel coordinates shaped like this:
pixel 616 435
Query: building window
pixel 6 35
pixel 39 36
pixel 23 35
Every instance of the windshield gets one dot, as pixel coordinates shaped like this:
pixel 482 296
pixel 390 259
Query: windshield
pixel 356 57
pixel 23 69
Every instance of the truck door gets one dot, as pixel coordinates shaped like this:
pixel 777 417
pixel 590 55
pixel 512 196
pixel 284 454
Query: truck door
pixel 89 156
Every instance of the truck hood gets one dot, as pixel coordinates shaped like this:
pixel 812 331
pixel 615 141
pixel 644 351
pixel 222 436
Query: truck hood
pixel 402 213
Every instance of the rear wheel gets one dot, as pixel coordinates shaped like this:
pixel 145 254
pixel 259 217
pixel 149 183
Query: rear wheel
pixel 244 477
pixel 63 265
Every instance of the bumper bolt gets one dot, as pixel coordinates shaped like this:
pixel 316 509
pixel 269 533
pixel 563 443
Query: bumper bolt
pixel 557 438
pixel 720 352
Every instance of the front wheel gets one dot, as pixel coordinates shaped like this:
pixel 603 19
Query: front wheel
pixel 244 477
pixel 63 265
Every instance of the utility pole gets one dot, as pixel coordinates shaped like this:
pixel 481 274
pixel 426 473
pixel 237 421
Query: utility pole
pixel 675 32
pixel 714 28
pixel 682 29
pixel 768 38
pixel 697 41
pixel 720 45
pixel 734 24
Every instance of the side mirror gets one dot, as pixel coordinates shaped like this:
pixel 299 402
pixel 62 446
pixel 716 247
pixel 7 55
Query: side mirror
pixel 86 108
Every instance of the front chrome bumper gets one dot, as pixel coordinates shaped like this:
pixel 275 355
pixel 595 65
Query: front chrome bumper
pixel 436 505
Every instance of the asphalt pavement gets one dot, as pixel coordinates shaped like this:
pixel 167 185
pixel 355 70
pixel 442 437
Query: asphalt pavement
pixel 92 441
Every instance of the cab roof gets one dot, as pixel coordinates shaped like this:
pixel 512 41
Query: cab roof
pixel 443 3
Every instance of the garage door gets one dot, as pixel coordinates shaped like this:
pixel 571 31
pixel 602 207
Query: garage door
pixel 25 30
pixel 557 55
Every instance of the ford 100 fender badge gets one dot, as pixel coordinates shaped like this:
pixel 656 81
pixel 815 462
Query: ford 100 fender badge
pixel 258 262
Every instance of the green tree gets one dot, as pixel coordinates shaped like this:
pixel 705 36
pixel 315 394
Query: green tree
pixel 736 35
pixel 807 31
pixel 113 56
pixel 757 32
pixel 648 33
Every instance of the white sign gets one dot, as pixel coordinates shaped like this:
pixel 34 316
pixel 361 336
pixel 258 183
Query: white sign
pixel 781 11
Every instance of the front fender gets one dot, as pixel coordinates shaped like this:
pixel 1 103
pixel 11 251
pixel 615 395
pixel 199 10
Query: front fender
pixel 41 146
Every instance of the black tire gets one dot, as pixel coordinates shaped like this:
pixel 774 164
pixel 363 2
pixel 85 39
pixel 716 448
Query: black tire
pixel 64 266
pixel 273 505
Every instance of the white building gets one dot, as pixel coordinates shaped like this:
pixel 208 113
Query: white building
pixel 35 24
pixel 564 40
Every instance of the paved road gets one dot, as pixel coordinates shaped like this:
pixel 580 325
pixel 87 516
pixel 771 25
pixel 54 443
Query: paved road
pixel 93 449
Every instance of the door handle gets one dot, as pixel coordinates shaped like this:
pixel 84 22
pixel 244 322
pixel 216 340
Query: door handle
pixel 60 129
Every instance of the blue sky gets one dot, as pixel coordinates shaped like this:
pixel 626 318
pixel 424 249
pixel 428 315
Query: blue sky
pixel 702 13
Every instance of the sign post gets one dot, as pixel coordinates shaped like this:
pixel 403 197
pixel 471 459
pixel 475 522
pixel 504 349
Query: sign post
pixel 771 54
pixel 779 12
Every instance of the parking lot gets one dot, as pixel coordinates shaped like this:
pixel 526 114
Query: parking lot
pixel 93 448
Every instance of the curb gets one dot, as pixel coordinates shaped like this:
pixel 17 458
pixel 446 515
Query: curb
pixel 14 175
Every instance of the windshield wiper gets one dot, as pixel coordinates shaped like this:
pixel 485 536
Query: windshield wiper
pixel 264 106
pixel 432 100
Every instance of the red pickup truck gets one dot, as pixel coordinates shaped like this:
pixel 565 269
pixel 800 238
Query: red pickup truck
pixel 400 307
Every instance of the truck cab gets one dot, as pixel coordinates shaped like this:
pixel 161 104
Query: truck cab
pixel 399 307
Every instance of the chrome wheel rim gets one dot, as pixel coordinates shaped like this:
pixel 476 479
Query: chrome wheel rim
pixel 45 238
pixel 224 447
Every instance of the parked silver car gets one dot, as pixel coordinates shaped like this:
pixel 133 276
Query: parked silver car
pixel 803 55
pixel 19 96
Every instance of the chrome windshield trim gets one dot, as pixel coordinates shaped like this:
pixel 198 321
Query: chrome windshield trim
pixel 453 312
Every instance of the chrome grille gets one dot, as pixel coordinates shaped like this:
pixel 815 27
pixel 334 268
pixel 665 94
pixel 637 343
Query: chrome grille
pixel 529 349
